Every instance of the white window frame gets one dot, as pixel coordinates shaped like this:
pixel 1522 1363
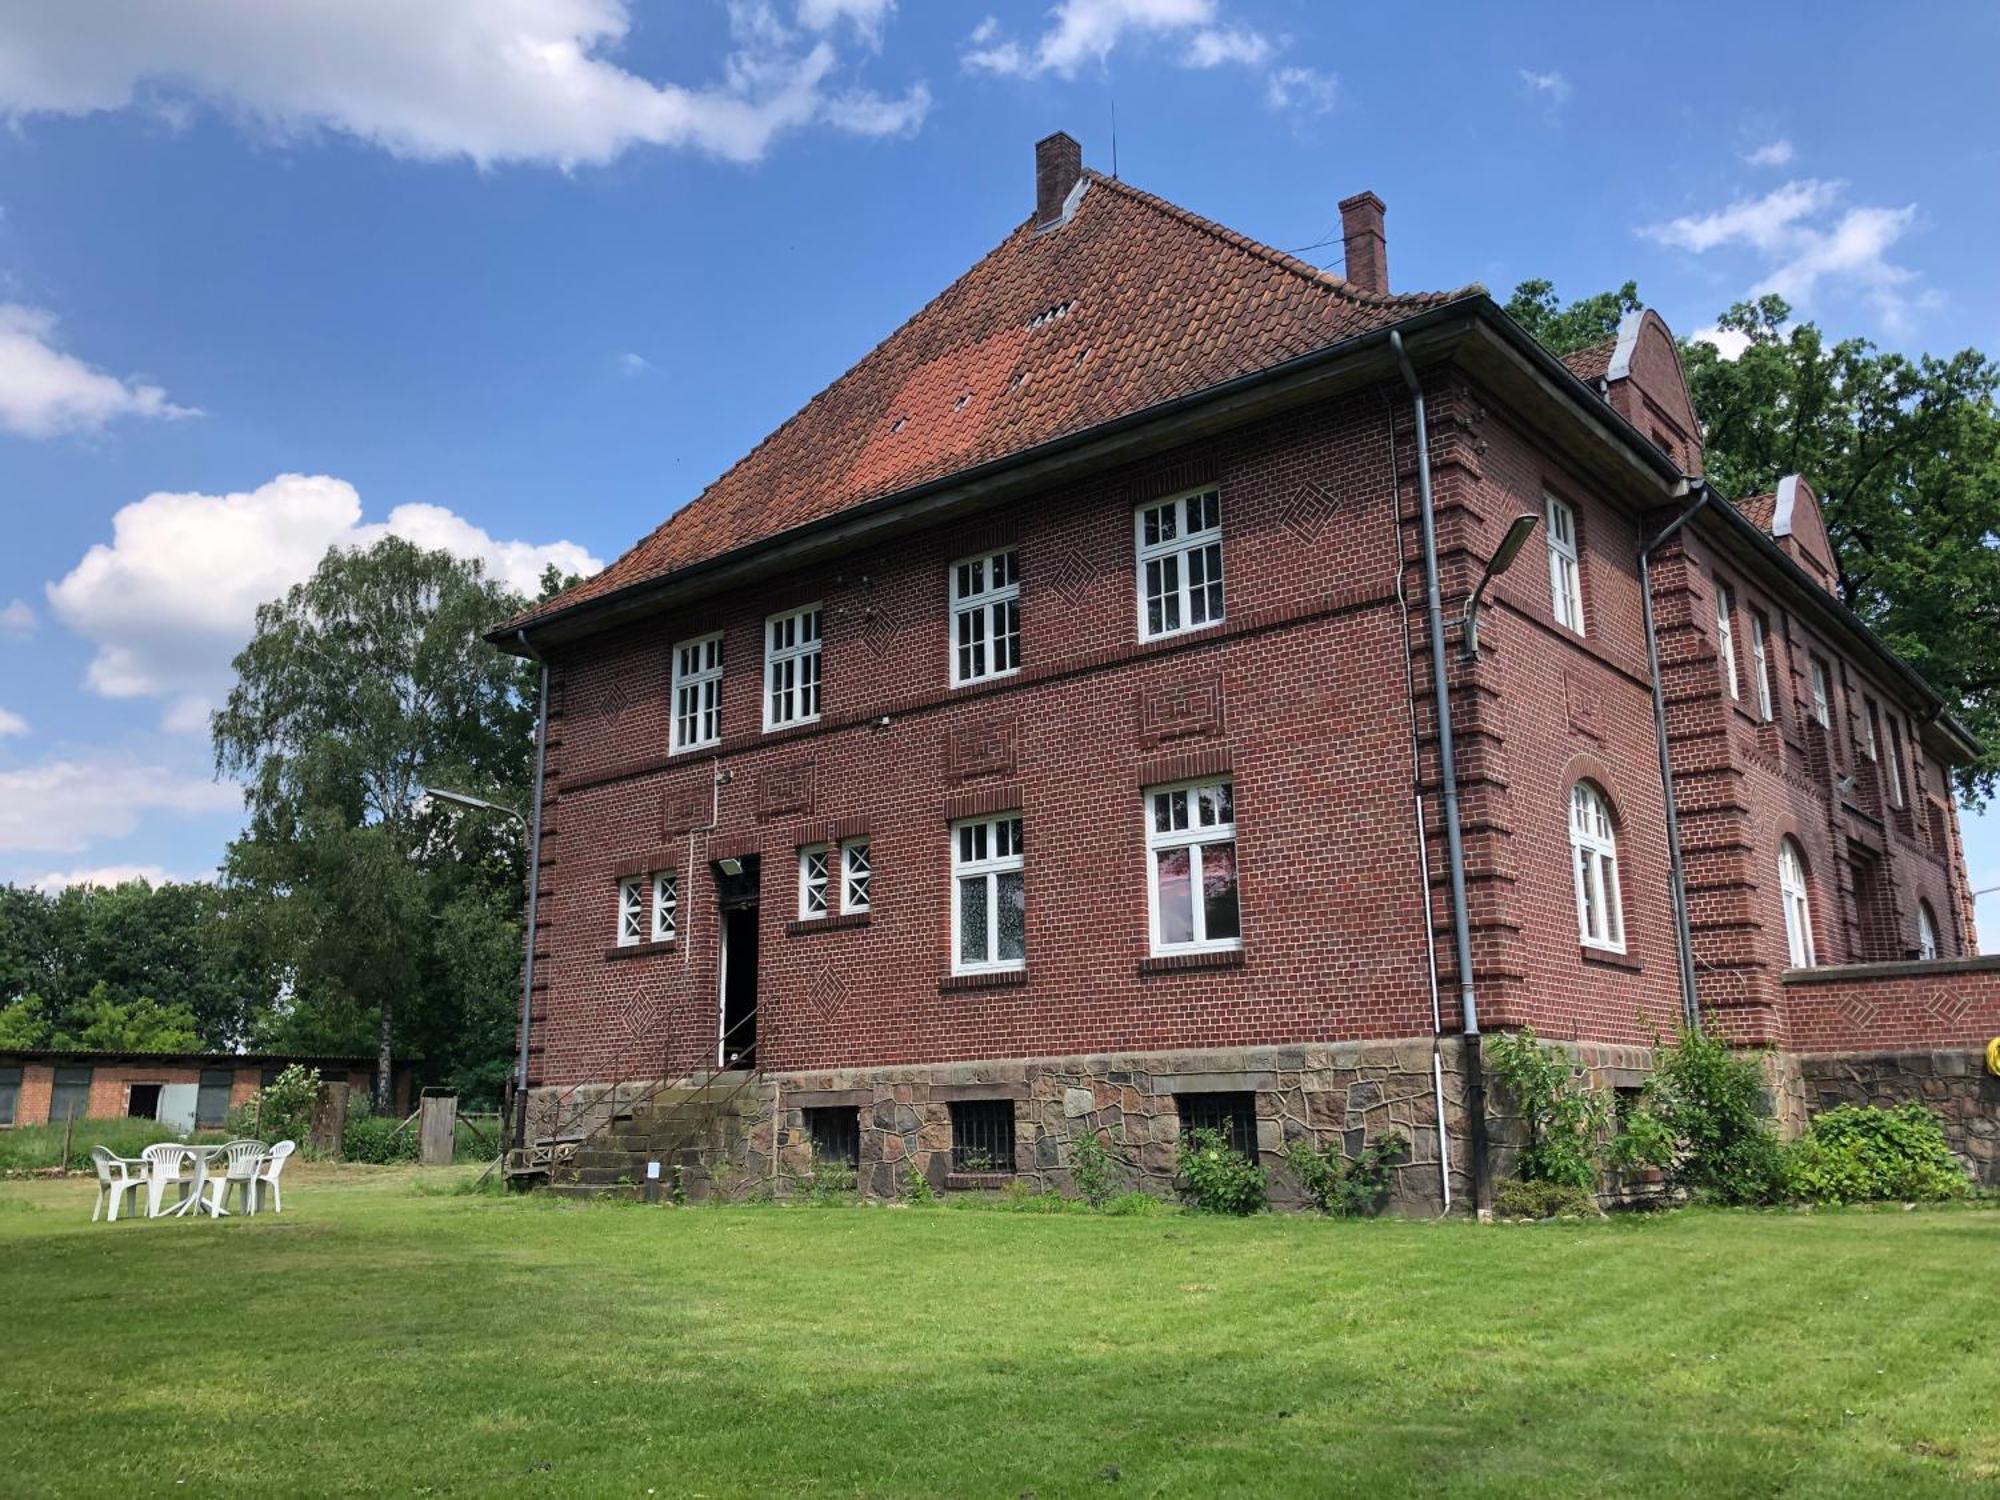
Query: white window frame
pixel 792 680
pixel 1870 747
pixel 1195 837
pixel 857 874
pixel 990 867
pixel 1895 729
pixel 1565 568
pixel 666 905
pixel 989 609
pixel 1822 693
pixel 1760 660
pixel 631 911
pixel 815 882
pixel 1797 904
pixel 1178 548
pixel 1593 843
pixel 1927 933
pixel 1725 636
pixel 704 682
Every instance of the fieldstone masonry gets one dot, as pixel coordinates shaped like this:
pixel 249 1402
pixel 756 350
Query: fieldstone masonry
pixel 1953 1082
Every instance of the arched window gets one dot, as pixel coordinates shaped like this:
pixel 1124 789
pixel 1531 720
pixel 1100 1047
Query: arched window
pixel 1593 842
pixel 1927 943
pixel 1798 911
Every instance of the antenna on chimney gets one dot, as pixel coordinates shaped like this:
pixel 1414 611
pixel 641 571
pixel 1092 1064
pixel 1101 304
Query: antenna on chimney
pixel 1114 140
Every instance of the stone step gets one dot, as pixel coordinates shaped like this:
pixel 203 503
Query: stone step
pixel 589 1191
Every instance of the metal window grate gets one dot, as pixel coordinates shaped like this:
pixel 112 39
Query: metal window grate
pixel 1234 1114
pixel 982 1135
pixel 836 1134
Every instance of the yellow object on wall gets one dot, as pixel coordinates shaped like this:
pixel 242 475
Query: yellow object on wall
pixel 1993 1056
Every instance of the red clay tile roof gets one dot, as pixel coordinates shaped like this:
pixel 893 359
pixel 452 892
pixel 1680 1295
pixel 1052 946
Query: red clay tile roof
pixel 1759 508
pixel 1593 363
pixel 1131 303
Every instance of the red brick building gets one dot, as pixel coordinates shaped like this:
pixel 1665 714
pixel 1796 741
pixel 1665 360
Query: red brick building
pixel 190 1089
pixel 1036 734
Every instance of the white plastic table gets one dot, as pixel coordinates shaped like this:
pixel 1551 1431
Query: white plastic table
pixel 194 1199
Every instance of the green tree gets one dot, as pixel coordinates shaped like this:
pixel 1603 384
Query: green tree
pixel 364 684
pixel 1903 452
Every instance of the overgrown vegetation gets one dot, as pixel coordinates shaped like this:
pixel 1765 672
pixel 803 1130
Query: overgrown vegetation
pixel 281 1110
pixel 1091 1169
pixel 1514 1198
pixel 39 1148
pixel 1702 1121
pixel 1217 1178
pixel 1564 1114
pixel 1860 1154
pixel 827 1181
pixel 1347 1187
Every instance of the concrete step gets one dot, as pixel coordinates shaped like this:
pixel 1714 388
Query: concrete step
pixel 592 1191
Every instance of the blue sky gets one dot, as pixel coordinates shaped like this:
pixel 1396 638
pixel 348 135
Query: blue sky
pixel 520 276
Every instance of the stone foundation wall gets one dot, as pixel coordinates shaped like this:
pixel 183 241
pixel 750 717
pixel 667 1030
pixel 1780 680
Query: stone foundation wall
pixel 1952 1081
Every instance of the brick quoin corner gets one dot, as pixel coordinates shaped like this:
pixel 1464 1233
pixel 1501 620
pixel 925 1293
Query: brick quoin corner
pixel 1113 355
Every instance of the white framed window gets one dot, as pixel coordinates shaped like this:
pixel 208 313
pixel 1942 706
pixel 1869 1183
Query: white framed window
pixel 631 911
pixel 1191 892
pixel 1593 842
pixel 791 667
pixel 1895 761
pixel 1180 563
pixel 1565 576
pixel 1927 938
pixel 989 902
pixel 1870 745
pixel 1798 908
pixel 1725 637
pixel 697 692
pixel 985 616
pixel 1822 695
pixel 857 875
pixel 666 905
pixel 812 882
pixel 1760 662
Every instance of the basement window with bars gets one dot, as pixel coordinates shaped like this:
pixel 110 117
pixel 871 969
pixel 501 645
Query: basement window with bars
pixel 982 1135
pixel 1180 563
pixel 985 617
pixel 791 668
pixel 835 1133
pixel 697 693
pixel 1232 1113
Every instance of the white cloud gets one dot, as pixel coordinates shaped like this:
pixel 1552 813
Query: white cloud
pixel 1775 154
pixel 1551 88
pixel 1302 89
pixel 1213 47
pixel 63 806
pixel 1803 242
pixel 110 875
pixel 869 18
pixel 11 724
pixel 633 364
pixel 45 392
pixel 172 598
pixel 17 620
pixel 490 81
pixel 1727 342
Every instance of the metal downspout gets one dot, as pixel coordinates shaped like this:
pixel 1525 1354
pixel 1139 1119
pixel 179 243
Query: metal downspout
pixel 1475 1083
pixel 534 896
pixel 1683 936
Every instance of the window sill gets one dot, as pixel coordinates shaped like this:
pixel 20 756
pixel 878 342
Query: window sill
pixel 845 922
pixel 1182 634
pixel 1605 958
pixel 993 980
pixel 989 678
pixel 1175 963
pixel 639 950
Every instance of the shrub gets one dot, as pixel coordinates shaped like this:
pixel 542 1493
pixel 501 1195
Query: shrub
pixel 281 1110
pixel 1217 1178
pixel 1701 1120
pixel 1518 1199
pixel 374 1139
pixel 1133 1205
pixel 1857 1153
pixel 1565 1115
pixel 826 1181
pixel 1347 1187
pixel 917 1188
pixel 1091 1169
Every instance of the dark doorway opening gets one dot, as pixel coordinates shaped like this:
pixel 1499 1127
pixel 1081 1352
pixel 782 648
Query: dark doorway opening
pixel 738 895
pixel 142 1101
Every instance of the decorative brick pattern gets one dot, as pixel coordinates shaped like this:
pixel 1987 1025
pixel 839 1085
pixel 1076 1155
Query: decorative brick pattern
pixel 1186 710
pixel 981 747
pixel 785 789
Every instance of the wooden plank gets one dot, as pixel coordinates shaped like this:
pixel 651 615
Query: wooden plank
pixel 437 1130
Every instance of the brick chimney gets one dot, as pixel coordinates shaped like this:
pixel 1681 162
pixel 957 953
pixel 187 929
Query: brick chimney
pixel 1058 165
pixel 1367 250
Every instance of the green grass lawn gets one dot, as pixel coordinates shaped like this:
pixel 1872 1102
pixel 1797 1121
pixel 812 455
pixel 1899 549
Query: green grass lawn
pixel 386 1337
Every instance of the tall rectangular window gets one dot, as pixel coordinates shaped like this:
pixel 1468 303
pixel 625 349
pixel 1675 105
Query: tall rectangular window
pixel 791 668
pixel 698 692
pixel 1725 636
pixel 1565 576
pixel 989 902
pixel 10 1094
pixel 812 882
pixel 1191 848
pixel 211 1098
pixel 666 905
pixel 70 1095
pixel 1895 761
pixel 1180 563
pixel 631 911
pixel 830 873
pixel 1871 733
pixel 1760 661
pixel 857 875
pixel 1822 695
pixel 985 617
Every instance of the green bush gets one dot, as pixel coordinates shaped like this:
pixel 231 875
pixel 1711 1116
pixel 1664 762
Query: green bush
pixel 1217 1178
pixel 1347 1187
pixel 826 1181
pixel 1518 1199
pixel 1565 1115
pixel 1092 1170
pixel 1858 1154
pixel 281 1110
pixel 917 1188
pixel 374 1139
pixel 1701 1120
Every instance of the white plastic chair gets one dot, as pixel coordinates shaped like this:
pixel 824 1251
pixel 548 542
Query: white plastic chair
pixel 169 1164
pixel 267 1176
pixel 240 1160
pixel 115 1178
